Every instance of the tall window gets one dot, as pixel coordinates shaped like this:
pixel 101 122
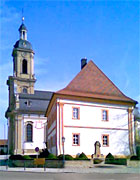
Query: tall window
pixel 29 133
pixel 104 115
pixel 105 140
pixel 76 139
pixel 24 90
pixel 75 113
pixel 24 66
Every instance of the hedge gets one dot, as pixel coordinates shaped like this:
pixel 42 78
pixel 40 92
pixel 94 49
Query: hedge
pixel 117 161
pixel 135 158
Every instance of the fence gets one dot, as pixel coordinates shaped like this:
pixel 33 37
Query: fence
pixel 47 163
pixel 31 163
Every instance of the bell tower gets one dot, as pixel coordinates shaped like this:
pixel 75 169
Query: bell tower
pixel 21 82
pixel 23 63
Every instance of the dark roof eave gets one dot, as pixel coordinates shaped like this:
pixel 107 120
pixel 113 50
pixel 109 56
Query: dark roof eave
pixel 98 98
pixel 25 50
pixel 29 111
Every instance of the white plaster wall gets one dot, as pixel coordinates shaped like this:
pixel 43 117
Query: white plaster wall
pixel 118 141
pixel 91 116
pixel 38 132
pixel 91 127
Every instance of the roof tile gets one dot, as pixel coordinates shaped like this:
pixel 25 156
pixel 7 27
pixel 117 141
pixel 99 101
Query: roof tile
pixel 92 82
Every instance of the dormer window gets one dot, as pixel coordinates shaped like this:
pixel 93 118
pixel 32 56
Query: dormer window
pixel 24 66
pixel 28 103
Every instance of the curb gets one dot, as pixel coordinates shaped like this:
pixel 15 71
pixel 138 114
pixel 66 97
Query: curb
pixel 101 169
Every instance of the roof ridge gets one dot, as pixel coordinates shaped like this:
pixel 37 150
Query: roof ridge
pixel 43 91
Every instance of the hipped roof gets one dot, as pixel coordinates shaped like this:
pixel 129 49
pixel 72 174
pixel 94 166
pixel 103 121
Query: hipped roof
pixel 92 82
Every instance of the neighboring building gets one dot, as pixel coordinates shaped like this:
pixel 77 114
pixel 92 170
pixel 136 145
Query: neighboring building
pixel 25 114
pixel 3 146
pixel 91 108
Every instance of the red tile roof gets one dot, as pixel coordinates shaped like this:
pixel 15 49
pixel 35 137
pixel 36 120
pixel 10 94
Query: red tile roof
pixel 3 142
pixel 92 82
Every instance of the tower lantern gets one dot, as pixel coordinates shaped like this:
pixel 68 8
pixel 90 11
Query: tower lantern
pixel 23 30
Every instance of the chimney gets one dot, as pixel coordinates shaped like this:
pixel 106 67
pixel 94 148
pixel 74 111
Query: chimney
pixel 83 62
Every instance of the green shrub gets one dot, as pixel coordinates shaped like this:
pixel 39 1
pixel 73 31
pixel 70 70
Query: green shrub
pixel 109 156
pixel 27 157
pixel 16 157
pixel 82 156
pixel 33 156
pixel 117 161
pixel 51 156
pixel 67 157
pixel 60 157
pixel 135 158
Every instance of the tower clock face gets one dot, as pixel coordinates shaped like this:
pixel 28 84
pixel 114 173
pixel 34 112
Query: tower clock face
pixel 23 54
pixel 24 44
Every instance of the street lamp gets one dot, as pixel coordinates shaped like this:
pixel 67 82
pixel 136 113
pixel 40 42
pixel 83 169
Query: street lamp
pixel 63 141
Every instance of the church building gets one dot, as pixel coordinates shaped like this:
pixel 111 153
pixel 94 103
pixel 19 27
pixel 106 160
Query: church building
pixel 27 106
pixel 89 109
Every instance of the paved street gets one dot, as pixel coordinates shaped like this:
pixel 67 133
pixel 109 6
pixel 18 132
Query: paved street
pixel 97 172
pixel 65 176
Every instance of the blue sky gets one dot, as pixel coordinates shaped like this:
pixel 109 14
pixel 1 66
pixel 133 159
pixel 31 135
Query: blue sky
pixel 63 32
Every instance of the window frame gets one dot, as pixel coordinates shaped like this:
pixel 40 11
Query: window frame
pixel 78 134
pixel 23 89
pixel 78 116
pixel 28 103
pixel 107 115
pixel 31 124
pixel 105 145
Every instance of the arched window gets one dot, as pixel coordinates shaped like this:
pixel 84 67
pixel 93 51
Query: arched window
pixel 29 133
pixel 24 66
pixel 25 90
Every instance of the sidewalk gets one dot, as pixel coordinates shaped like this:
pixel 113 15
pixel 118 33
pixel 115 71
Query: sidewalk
pixel 95 169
